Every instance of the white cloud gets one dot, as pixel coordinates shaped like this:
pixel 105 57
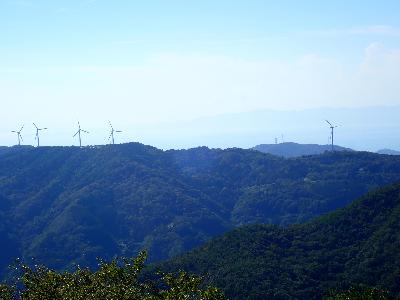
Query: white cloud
pixel 378 76
pixel 173 87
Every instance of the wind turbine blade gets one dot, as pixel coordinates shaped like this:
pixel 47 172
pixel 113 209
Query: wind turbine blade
pixel 21 128
pixel 21 137
pixel 118 131
pixel 35 125
pixel 13 131
pixel 43 128
pixel 109 137
pixel 328 122
pixel 84 131
pixel 110 125
pixel 75 133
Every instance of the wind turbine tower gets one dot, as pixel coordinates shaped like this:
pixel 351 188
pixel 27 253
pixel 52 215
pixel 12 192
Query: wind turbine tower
pixel 19 135
pixel 112 132
pixel 37 133
pixel 79 134
pixel 332 128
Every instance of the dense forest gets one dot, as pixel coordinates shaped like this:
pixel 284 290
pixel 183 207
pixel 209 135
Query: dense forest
pixel 356 245
pixel 68 205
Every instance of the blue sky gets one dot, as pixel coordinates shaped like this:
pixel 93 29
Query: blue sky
pixel 144 63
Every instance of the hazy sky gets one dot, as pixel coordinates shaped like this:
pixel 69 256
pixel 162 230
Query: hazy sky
pixel 142 63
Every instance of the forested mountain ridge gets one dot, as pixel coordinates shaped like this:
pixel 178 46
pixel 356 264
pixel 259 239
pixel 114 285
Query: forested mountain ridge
pixel 290 149
pixel 66 205
pixel 355 245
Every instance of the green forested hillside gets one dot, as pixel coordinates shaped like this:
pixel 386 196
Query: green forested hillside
pixel 67 205
pixel 356 245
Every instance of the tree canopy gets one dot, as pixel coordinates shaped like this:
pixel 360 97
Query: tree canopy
pixel 115 280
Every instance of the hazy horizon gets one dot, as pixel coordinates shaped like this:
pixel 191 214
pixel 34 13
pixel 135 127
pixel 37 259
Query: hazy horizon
pixel 369 129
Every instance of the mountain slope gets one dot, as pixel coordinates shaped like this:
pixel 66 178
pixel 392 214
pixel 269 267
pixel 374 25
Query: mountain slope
pixel 296 150
pixel 66 205
pixel 357 244
pixel 73 205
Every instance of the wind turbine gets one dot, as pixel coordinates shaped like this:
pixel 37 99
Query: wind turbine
pixel 332 127
pixel 79 134
pixel 37 133
pixel 19 135
pixel 112 132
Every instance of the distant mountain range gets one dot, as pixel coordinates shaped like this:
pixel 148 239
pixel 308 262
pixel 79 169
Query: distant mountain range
pixel 67 205
pixel 367 128
pixel 296 150
pixel 388 152
pixel 355 245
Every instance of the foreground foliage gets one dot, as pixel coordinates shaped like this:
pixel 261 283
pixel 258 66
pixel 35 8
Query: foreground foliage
pixel 112 281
